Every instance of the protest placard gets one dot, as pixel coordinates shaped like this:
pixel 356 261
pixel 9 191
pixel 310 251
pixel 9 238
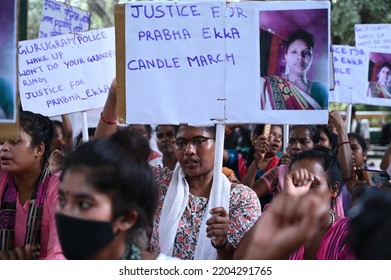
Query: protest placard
pixel 199 62
pixel 374 81
pixel 8 58
pixel 174 59
pixel 59 19
pixel 373 36
pixel 276 23
pixel 67 73
pixel 349 64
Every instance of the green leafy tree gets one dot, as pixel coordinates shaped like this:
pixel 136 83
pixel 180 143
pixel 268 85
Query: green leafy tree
pixel 346 13
pixel 102 13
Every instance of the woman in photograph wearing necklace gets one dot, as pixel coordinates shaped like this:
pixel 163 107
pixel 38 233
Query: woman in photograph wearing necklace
pixel 294 91
pixel 381 88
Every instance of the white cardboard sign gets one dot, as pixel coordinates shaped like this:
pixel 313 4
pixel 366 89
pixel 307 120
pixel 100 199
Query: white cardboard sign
pixel 68 73
pixel 198 62
pixel 59 19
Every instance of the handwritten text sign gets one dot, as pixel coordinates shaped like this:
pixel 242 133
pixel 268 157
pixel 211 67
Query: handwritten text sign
pixel 60 19
pixel 67 73
pixel 198 62
pixel 373 36
pixel 176 53
pixel 347 61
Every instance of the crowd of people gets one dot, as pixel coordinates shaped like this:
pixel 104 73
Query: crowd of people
pixel 113 197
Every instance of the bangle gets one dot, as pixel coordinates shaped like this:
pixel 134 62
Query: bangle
pixel 340 144
pixel 221 246
pixel 107 121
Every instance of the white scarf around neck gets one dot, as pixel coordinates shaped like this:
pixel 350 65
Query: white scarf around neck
pixel 174 205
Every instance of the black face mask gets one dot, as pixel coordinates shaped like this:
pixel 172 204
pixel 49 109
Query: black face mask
pixel 81 239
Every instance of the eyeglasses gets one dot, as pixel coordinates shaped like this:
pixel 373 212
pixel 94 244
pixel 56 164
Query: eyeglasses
pixel 197 142
pixel 168 134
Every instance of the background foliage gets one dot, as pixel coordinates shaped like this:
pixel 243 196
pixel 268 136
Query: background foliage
pixel 346 13
pixel 102 13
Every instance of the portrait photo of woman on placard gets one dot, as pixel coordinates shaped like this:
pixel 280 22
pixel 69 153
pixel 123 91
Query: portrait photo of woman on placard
pixel 294 59
pixel 379 75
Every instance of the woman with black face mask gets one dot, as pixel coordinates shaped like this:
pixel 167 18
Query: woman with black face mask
pixel 107 200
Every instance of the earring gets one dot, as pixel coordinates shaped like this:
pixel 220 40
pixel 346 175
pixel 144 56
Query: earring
pixel 36 155
pixel 332 217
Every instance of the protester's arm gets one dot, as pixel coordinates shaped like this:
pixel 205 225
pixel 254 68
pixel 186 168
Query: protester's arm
pixel 286 225
pixel 55 161
pixel 251 173
pixel 386 159
pixel 293 218
pixel 344 152
pixel 229 128
pixel 266 183
pixel 68 136
pixel 260 187
pixel 261 148
pixel 108 119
